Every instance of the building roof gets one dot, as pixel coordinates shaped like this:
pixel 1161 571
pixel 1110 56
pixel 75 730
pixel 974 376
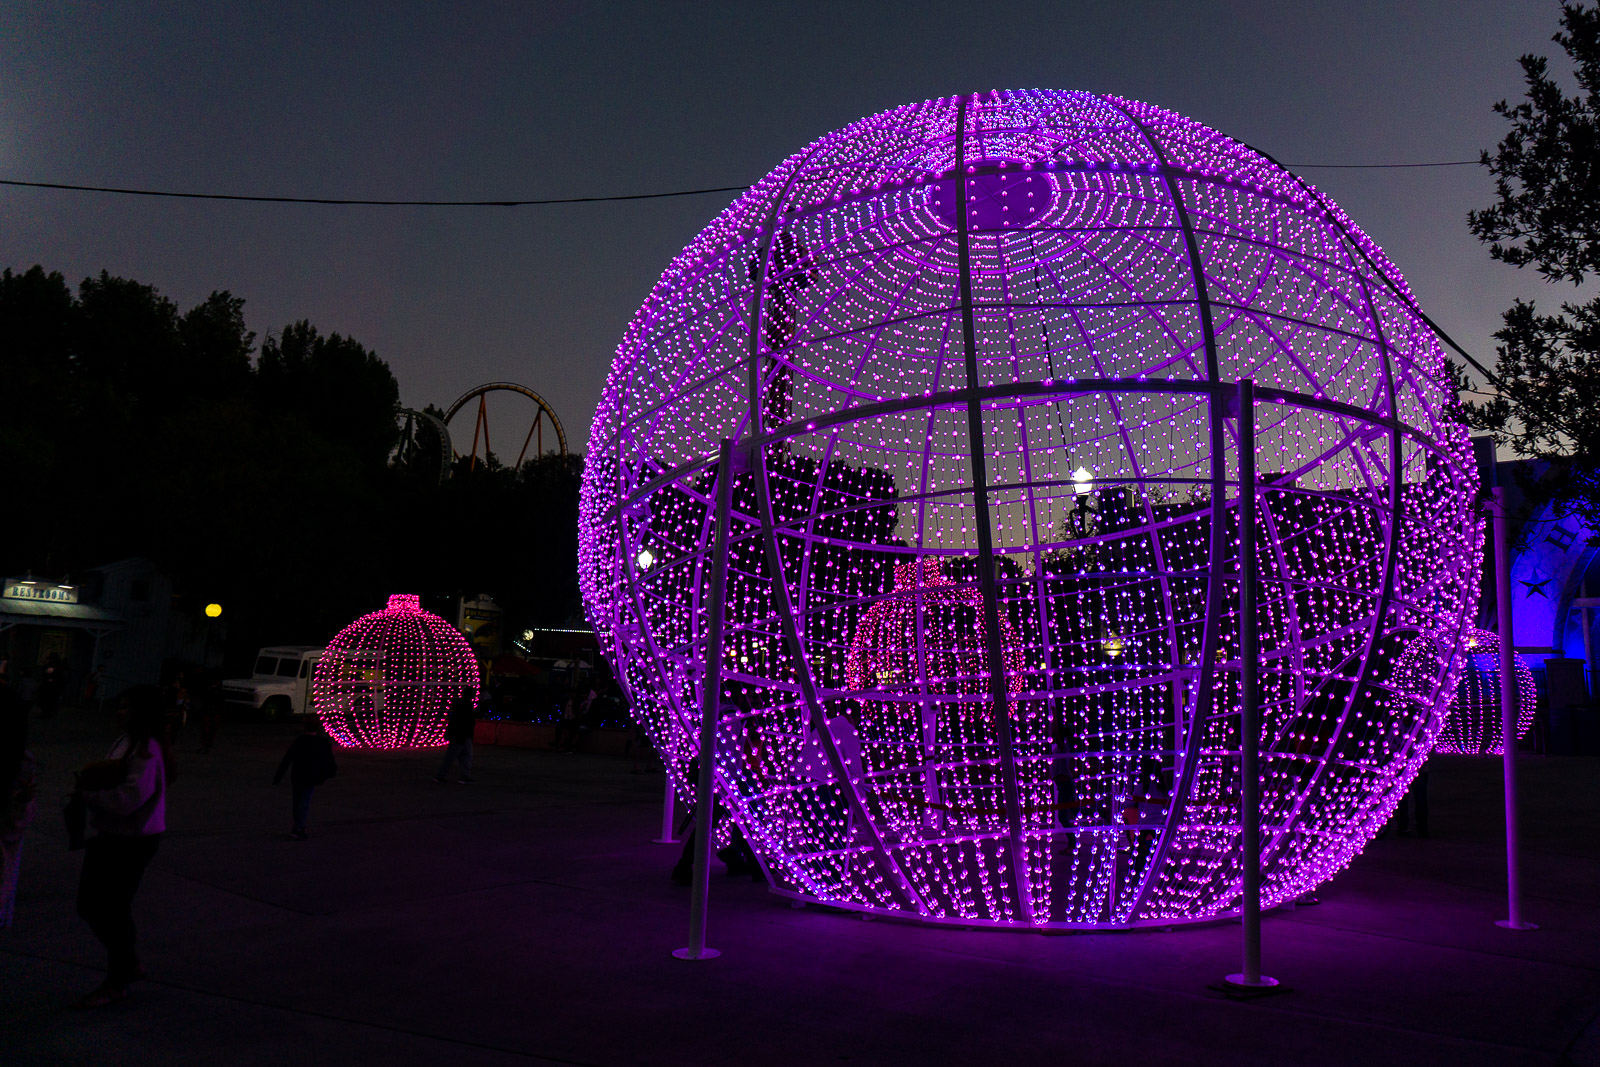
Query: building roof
pixel 43 612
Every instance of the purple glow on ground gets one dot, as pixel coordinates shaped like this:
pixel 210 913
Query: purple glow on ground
pixel 1121 267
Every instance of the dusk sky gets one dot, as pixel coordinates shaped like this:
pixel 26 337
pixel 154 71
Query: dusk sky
pixel 531 100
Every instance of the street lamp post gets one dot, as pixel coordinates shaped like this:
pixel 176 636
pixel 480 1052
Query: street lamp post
pixel 710 700
pixel 1250 978
pixel 1508 713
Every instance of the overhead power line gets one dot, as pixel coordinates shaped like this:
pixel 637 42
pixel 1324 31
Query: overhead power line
pixel 353 202
pixel 342 201
pixel 370 203
pixel 1380 166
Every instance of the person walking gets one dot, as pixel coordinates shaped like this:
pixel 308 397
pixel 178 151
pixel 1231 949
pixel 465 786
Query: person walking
pixel 27 689
pixel 52 685
pixel 177 707
pixel 211 714
pixel 568 730
pixel 126 798
pixel 18 786
pixel 93 684
pixel 1415 802
pixel 739 857
pixel 458 737
pixel 594 708
pixel 308 763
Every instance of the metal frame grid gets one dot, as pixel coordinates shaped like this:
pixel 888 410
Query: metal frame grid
pixel 981 644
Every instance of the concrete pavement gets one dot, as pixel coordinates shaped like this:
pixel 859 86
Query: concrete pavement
pixel 528 918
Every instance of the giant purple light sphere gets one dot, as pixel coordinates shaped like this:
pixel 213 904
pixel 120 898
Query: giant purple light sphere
pixel 983 353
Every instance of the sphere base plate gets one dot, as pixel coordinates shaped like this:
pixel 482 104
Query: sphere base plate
pixel 691 954
pixel 1236 987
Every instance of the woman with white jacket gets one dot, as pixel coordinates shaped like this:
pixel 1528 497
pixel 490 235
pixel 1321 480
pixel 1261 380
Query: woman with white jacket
pixel 126 797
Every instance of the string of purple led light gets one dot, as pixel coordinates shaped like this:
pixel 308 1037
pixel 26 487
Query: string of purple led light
pixel 1117 269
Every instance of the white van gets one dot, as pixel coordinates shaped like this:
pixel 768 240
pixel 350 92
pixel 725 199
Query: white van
pixel 278 687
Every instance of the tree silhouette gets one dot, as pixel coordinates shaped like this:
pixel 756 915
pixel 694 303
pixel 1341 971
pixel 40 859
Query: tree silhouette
pixel 1547 215
pixel 343 391
pixel 257 479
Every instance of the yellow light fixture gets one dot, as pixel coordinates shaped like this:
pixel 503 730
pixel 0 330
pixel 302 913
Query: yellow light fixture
pixel 213 610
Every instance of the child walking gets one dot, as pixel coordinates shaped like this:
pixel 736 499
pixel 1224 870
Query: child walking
pixel 309 763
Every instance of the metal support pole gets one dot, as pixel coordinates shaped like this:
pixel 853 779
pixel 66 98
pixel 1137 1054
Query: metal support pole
pixel 710 700
pixel 999 685
pixel 669 813
pixel 1249 702
pixel 1508 712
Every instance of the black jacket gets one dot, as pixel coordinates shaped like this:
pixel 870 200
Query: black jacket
pixel 463 718
pixel 309 761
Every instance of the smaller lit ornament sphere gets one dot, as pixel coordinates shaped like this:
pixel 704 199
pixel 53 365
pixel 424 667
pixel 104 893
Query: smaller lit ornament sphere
pixel 388 679
pixel 1472 727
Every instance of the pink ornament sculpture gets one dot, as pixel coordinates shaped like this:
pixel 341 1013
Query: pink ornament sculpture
pixel 920 666
pixel 980 355
pixel 388 679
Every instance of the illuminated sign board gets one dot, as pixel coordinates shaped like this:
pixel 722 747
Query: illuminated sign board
pixel 28 589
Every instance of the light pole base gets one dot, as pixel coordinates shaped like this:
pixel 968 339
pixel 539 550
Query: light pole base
pixel 691 954
pixel 665 841
pixel 1237 980
pixel 1234 986
pixel 1509 925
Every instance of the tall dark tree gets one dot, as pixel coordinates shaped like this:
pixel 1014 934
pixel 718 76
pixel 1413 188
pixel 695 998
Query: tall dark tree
pixel 36 321
pixel 215 347
pixel 127 336
pixel 342 390
pixel 37 316
pixel 1546 216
